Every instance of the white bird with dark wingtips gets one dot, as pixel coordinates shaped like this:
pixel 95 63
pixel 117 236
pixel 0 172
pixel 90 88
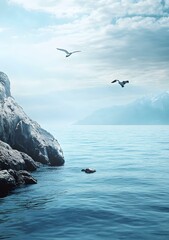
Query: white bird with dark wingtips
pixel 121 83
pixel 67 53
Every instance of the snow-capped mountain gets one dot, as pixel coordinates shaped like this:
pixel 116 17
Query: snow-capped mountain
pixel 154 110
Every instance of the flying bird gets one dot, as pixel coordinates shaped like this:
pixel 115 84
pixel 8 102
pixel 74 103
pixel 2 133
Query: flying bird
pixel 121 83
pixel 67 53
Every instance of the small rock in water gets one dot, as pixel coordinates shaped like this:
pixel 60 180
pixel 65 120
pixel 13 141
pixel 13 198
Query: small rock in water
pixel 88 170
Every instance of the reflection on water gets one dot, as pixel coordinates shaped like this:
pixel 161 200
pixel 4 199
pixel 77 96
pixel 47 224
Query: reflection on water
pixel 127 197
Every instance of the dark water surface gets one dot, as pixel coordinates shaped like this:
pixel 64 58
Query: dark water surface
pixel 127 197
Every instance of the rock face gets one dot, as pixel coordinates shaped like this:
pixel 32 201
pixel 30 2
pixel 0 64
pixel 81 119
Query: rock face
pixel 13 169
pixel 23 142
pixel 11 179
pixel 13 159
pixel 7 182
pixel 23 134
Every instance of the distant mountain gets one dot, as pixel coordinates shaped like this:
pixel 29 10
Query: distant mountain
pixel 146 111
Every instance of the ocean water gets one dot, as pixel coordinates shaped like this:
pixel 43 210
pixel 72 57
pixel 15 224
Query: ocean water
pixel 126 198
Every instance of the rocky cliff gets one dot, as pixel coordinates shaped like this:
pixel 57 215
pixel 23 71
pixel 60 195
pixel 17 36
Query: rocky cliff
pixel 23 141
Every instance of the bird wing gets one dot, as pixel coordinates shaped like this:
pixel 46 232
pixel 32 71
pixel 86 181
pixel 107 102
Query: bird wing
pixel 64 50
pixel 114 81
pixel 127 81
pixel 75 51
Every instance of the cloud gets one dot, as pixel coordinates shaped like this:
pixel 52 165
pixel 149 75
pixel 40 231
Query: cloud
pixel 117 8
pixel 90 15
pixel 2 29
pixel 58 8
pixel 118 39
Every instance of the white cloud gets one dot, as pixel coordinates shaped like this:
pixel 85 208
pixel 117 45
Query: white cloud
pixel 94 16
pixel 118 39
pixel 2 29
pixel 64 8
pixel 60 8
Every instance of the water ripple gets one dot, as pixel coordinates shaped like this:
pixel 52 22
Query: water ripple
pixel 126 198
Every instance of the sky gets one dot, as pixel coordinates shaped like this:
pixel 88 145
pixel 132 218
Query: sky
pixel 118 39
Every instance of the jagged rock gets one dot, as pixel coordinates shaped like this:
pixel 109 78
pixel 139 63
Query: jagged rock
pixel 23 134
pixel 22 177
pixel 12 169
pixel 4 86
pixel 13 159
pixel 22 142
pixel 30 164
pixel 26 177
pixel 7 182
pixel 10 179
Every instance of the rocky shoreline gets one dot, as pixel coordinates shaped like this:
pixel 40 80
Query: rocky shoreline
pixel 24 145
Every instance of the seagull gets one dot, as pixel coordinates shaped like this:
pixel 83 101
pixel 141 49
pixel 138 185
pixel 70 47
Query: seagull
pixel 67 53
pixel 121 83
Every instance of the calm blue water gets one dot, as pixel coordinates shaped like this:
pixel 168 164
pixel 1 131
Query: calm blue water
pixel 127 198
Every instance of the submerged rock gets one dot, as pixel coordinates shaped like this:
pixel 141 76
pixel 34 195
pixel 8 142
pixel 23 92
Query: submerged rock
pixel 88 170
